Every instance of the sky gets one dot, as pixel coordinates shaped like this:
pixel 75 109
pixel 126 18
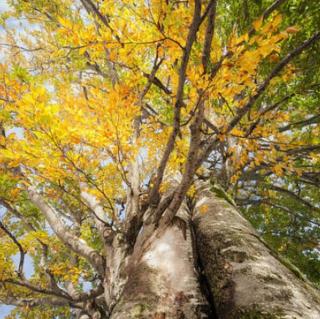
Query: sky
pixel 3 5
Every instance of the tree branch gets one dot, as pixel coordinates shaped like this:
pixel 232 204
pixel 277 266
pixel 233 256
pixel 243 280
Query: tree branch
pixel 209 36
pixel 264 111
pixel 274 6
pixel 42 290
pixel 30 302
pixel 190 166
pixel 293 195
pixel 290 212
pixel 196 20
pixel 278 68
pixel 99 214
pixel 90 6
pixel 311 120
pixel 21 250
pixel 74 243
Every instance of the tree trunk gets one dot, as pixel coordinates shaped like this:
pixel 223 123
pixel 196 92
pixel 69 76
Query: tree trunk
pixel 162 279
pixel 213 266
pixel 247 279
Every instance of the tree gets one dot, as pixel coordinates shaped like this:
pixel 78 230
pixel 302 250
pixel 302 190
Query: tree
pixel 130 133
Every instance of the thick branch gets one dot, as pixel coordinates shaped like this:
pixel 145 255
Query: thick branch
pixel 38 289
pixel 154 194
pixel 73 242
pixel 30 302
pixel 209 36
pixel 190 166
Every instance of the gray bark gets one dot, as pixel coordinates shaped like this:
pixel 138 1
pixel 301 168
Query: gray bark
pixel 73 242
pixel 162 279
pixel 206 264
pixel 247 279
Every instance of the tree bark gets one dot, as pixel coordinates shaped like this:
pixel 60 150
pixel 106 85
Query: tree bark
pixel 211 264
pixel 246 278
pixel 162 279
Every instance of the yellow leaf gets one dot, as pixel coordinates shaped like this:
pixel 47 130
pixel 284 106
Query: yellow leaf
pixel 82 50
pixel 278 169
pixel 237 132
pixel 292 29
pixel 203 209
pixel 257 23
pixel 14 193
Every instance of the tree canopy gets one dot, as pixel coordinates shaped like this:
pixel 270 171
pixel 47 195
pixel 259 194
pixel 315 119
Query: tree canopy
pixel 102 102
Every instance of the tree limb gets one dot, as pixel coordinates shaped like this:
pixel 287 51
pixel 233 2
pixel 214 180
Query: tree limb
pixel 21 250
pixel 293 195
pixel 209 36
pixel 311 120
pixel 196 20
pixel 73 242
pixel 278 68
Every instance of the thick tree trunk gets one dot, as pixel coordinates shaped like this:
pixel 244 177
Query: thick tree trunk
pixel 247 279
pixel 162 279
pixel 213 266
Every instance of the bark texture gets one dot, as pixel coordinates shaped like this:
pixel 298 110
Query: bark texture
pixel 246 278
pixel 162 280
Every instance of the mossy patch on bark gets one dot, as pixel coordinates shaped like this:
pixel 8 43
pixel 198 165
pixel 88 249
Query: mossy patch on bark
pixel 138 310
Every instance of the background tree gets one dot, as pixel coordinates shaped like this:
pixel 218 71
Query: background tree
pixel 131 130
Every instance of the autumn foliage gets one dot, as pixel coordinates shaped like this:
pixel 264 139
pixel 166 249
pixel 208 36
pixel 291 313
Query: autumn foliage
pixel 104 100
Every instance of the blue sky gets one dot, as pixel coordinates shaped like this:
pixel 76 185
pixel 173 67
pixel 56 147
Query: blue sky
pixel 4 311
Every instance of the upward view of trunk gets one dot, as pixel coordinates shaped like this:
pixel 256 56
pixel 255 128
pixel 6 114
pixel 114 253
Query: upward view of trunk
pixel 247 280
pixel 212 266
pixel 162 278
